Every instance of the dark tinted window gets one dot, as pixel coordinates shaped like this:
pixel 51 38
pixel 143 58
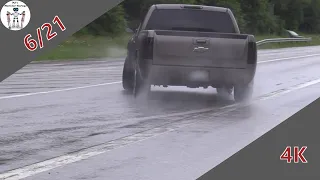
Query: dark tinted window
pixel 190 20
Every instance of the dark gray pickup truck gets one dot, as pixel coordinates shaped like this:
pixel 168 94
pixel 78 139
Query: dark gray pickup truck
pixel 193 46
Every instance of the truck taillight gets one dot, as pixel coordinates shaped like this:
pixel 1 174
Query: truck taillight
pixel 252 53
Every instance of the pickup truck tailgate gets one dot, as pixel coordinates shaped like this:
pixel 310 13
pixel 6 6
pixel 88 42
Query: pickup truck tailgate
pixel 183 48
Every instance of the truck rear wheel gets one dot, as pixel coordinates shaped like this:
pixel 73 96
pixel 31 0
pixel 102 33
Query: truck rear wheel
pixel 243 92
pixel 127 77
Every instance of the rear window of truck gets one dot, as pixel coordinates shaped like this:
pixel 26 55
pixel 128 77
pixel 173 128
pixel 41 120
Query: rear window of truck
pixel 190 20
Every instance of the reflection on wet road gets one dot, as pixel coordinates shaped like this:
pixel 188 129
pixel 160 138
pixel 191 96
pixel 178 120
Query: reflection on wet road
pixel 51 109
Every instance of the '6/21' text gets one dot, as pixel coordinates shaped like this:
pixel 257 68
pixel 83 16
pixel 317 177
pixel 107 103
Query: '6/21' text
pixel 32 44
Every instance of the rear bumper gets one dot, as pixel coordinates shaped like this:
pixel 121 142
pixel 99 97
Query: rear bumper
pixel 216 77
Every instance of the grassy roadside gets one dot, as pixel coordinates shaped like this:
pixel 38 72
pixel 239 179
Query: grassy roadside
pixel 100 47
pixel 88 47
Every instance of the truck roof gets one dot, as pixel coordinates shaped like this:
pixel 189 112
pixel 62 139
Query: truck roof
pixel 182 6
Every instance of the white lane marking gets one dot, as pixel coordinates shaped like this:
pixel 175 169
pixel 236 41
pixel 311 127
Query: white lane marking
pixel 293 51
pixel 59 71
pixel 104 84
pixel 77 60
pixel 287 58
pixel 60 90
pixel 291 89
pixel 53 163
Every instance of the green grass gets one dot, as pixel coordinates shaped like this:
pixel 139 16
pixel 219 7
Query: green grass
pixel 88 47
pixel 100 47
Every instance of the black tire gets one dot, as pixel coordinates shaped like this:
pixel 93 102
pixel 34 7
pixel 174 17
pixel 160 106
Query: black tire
pixel 127 77
pixel 243 93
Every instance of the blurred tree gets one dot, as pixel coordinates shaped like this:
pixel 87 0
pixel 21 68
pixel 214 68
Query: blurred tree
pixel 253 16
pixel 311 20
pixel 111 23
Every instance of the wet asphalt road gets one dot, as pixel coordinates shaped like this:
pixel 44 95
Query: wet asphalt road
pixel 69 106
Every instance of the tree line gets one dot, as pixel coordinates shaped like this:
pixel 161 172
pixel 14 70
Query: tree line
pixel 253 16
